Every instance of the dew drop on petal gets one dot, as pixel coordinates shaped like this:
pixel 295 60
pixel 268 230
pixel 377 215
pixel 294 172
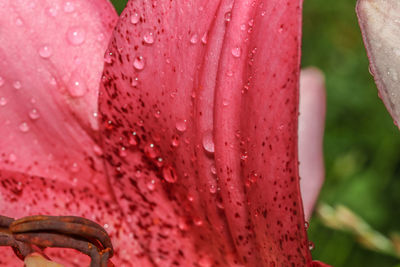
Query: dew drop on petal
pixel 213 169
pixel 34 114
pixel 208 142
pixel 45 51
pixel 3 101
pixel 306 225
pixel 138 63
pixel 151 151
pixel 169 174
pixel 194 39
pixel 311 245
pixel 97 150
pixel 69 7
pixel 17 85
pixel 148 37
pixel 24 127
pixel 236 51
pixel 181 125
pixel 151 185
pixel 77 86
pixel 76 35
pixel 108 57
pixel 74 168
pixel 135 18
pixel 228 16
pixel 198 221
pixel 204 39
pixel 135 81
pixel 175 141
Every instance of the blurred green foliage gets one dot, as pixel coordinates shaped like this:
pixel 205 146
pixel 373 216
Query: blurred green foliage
pixel 362 154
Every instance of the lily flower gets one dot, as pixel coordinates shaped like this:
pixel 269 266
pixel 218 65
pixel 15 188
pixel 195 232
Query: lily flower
pixel 186 153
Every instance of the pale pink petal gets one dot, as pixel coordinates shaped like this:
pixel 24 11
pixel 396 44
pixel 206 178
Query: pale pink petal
pixel 311 133
pixel 190 92
pixel 51 60
pixel 379 22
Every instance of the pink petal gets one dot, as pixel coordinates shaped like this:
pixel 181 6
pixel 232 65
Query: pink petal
pixel 51 59
pixel 24 195
pixel 379 21
pixel 311 133
pixel 177 119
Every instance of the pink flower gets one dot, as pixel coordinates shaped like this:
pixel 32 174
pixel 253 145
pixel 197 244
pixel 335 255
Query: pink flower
pixel 186 153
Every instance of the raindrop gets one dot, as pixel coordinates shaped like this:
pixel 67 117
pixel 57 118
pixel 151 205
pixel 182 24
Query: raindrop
pixel 74 168
pixel 204 39
pixel 225 102
pixel 159 162
pixel 251 22
pixel 198 221
pixel 236 51
pixel 69 7
pixel 122 152
pixel 34 114
pixel 208 142
pixel 228 16
pixel 76 35
pixel 138 63
pixel 169 174
pixel 182 224
pixel 151 151
pixel 24 127
pixel 45 51
pixel 108 57
pixel 97 150
pixel 1 81
pixel 77 87
pixel 148 37
pixel 3 101
pixel 213 189
pixel 135 81
pixel 175 141
pixel 181 125
pixel 17 85
pixel 151 185
pixel 213 169
pixel 306 225
pixel 311 245
pixel 244 156
pixel 229 73
pixel 194 39
pixel 135 18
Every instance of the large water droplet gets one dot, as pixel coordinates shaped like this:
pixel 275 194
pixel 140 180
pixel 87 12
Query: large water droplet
pixel 208 141
pixel 76 35
pixel 138 63
pixel 34 114
pixel 148 37
pixel 17 85
pixel 236 51
pixel 3 101
pixel 24 127
pixel 77 86
pixel 194 39
pixel 181 125
pixel 45 51
pixel 69 7
pixel 135 18
pixel 169 174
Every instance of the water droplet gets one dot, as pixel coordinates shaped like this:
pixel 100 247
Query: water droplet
pixel 228 16
pixel 208 141
pixel 148 37
pixel 135 18
pixel 3 101
pixel 159 162
pixel 204 39
pixel 135 81
pixel 181 125
pixel 74 168
pixel 24 127
pixel 45 51
pixel 1 81
pixel 213 189
pixel 108 57
pixel 12 158
pixel 17 85
pixel 69 7
pixel 229 73
pixel 138 63
pixel 97 150
pixel 213 169
pixel 244 156
pixel 182 224
pixel 236 51
pixel 76 35
pixel 175 141
pixel 225 102
pixel 151 151
pixel 122 152
pixel 169 174
pixel 311 245
pixel 194 39
pixel 77 87
pixel 251 22
pixel 157 114
pixel 205 261
pixel 151 185
pixel 306 225
pixel 34 114
pixel 198 221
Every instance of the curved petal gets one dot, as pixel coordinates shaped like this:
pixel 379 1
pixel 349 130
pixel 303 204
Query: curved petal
pixel 176 116
pixel 51 60
pixel 379 22
pixel 23 195
pixel 311 133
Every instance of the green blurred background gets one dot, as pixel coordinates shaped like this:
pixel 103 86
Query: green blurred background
pixel 362 154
